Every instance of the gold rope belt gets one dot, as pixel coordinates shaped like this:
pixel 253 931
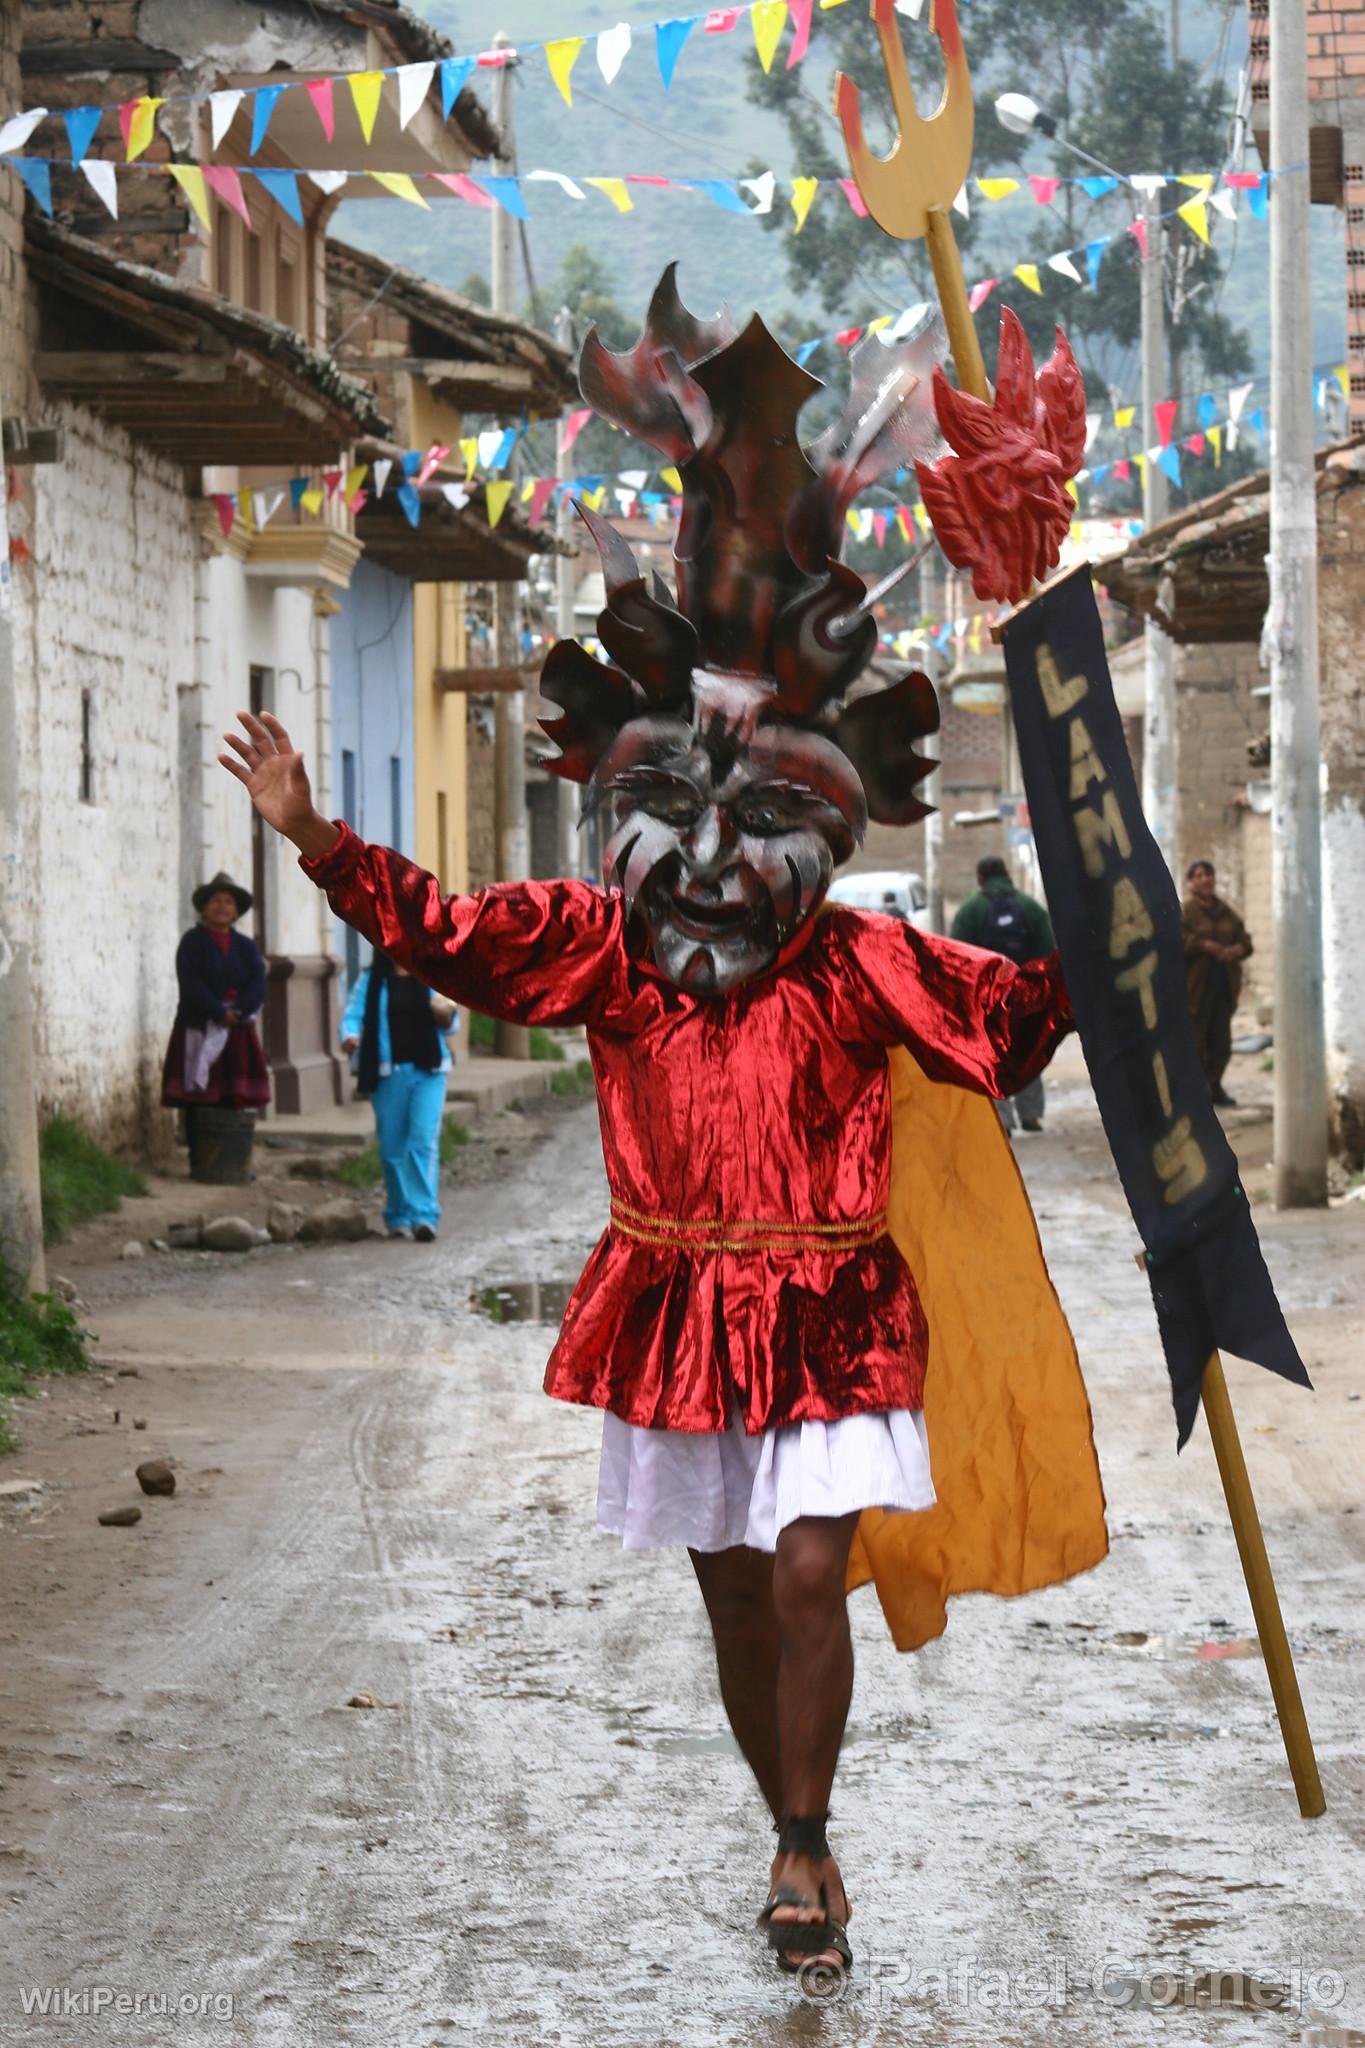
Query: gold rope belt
pixel 697 1234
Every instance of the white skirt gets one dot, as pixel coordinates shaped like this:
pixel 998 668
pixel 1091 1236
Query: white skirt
pixel 713 1491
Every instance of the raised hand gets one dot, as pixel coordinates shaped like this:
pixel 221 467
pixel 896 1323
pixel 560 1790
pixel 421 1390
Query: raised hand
pixel 272 769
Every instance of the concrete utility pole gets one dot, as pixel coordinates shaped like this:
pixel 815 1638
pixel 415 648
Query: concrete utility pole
pixel 21 1209
pixel 509 715
pixel 1290 641
pixel 566 579
pixel 1158 721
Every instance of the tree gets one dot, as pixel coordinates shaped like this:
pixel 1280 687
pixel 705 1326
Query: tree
pixel 584 288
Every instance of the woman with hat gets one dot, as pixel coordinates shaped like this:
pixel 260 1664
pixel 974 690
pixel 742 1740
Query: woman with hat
pixel 214 1059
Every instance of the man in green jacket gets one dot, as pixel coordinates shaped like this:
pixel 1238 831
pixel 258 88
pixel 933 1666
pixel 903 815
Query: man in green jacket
pixel 1001 919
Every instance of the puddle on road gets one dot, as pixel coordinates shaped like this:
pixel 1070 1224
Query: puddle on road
pixel 523 1301
pixel 1197 1990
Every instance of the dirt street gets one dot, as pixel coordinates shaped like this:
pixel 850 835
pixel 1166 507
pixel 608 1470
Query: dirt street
pixel 1069 1811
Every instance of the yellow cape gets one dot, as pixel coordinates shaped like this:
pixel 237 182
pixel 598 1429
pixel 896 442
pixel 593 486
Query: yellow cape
pixel 1020 1503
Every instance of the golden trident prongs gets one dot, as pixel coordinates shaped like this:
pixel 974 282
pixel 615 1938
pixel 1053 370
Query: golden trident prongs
pixel 908 191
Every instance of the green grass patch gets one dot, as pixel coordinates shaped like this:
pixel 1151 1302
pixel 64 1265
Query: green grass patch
pixel 543 1045
pixel 574 1080
pixel 38 1334
pixel 364 1170
pixel 79 1179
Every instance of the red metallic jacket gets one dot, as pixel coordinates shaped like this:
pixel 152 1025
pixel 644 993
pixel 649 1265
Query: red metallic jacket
pixel 747 1136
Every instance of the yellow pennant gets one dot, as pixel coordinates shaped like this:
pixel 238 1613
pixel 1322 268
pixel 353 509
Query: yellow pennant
pixel 803 198
pixel 1076 531
pixel 142 126
pixel 876 326
pixel 1215 439
pixel 311 500
pixel 469 449
pixel 497 495
pixel 1198 181
pixel 244 512
pixel 1195 214
pixel 190 179
pixel 561 57
pixel 769 18
pixel 1141 461
pixel 1125 416
pixel 1072 492
pixel 997 188
pixel 400 184
pixel 366 87
pixel 616 191
pixel 594 499
pixel 354 479
pixel 671 478
pixel 528 490
pixel 1343 376
pixel 921 518
pixel 1027 274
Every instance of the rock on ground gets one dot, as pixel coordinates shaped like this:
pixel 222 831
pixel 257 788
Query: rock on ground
pixel 340 1221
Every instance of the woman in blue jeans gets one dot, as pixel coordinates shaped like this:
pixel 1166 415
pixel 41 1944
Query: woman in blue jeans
pixel 398 1027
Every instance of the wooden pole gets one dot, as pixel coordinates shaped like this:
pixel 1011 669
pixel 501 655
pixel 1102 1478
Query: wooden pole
pixel 957 312
pixel 1265 1602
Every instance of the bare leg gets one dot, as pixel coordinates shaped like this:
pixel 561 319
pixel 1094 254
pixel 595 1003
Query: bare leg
pixel 737 1586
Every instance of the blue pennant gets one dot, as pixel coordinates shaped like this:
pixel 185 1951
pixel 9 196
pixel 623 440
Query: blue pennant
pixel 81 123
pixel 36 173
pixel 262 109
pixel 1093 252
pixel 410 498
pixel 717 189
pixel 283 188
pixel 507 192
pixel 1208 411
pixel 669 37
pixel 297 486
pixel 454 72
pixel 1169 460
pixel 1096 188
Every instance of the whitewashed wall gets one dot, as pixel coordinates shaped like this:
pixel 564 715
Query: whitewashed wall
pixel 106 606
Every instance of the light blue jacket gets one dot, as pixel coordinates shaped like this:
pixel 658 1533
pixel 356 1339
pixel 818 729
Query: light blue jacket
pixel 353 1023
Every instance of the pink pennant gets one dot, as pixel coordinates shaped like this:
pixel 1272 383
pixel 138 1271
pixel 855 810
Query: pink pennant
pixel 125 121
pixel 1138 230
pixel 1123 470
pixel 801 11
pixel 357 499
pixel 435 456
pixel 879 522
pixel 905 521
pixel 1044 189
pixel 320 93
pixel 541 494
pixel 645 178
pixel 462 187
pixel 1165 414
pixel 224 181
pixel 225 505
pixel 1195 443
pixel 853 196
pixel 721 20
pixel 1243 181
pixel 981 292
pixel 848 336
pixel 332 479
pixel 574 423
pixel 493 60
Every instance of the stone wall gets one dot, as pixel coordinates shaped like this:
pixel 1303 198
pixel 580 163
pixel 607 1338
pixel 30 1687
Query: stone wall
pixel 1341 570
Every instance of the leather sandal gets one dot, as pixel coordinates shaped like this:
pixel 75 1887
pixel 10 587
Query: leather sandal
pixel 803 1835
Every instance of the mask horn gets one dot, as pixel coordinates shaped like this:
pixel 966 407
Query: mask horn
pixel 878 733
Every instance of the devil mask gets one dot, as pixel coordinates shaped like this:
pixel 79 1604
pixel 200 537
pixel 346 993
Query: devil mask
pixel 728 740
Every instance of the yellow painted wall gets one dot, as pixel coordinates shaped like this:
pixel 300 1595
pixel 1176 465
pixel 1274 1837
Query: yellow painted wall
pixel 438 716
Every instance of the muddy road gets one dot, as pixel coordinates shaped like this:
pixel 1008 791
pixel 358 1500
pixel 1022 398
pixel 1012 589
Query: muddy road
pixel 1070 1818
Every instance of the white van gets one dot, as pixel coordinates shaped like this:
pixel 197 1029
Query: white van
pixel 899 892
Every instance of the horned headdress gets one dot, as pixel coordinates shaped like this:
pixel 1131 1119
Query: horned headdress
pixel 761 591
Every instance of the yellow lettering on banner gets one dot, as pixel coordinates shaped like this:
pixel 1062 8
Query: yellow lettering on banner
pixel 1097 829
pixel 1179 1162
pixel 1086 766
pixel 1128 919
pixel 1059 697
pixel 1140 977
pixel 1163 1086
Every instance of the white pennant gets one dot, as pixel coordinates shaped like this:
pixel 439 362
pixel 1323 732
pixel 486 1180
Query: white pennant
pixel 613 47
pixel 489 443
pixel 273 502
pixel 102 180
pixel 1237 399
pixel 16 131
pixel 962 204
pixel 1092 427
pixel 626 500
pixel 258 512
pixel 1224 202
pixel 564 183
pixel 329 181
pixel 763 188
pixel 906 322
pixel 414 83
pixel 380 474
pixel 1149 183
pixel 914 8
pixel 1064 266
pixel 455 495
pixel 222 108
pixel 635 479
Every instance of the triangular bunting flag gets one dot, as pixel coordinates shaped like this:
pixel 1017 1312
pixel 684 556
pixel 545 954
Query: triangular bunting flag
pixel 81 123
pixel 224 182
pixel 1064 266
pixel 355 477
pixel 763 187
pixel 328 181
pixel 332 479
pixel 1216 443
pixel 1195 215
pixel 1224 202
pixel 801 11
pixel 1169 460
pixel 222 112
pixel 298 490
pixel 400 184
pixel 15 132
pixel 849 188
pixel 138 122
pixel 1044 189
pixel 767 18
pixel 981 292
pixel 613 47
pixel 962 204
pixel 496 496
pixel 103 181
pixel 615 189
pixel 997 188
pixel 469 453
pixel 283 187
pixel 264 101
pixel 323 104
pixel 225 505
pixel 1093 422
pixel 1206 411
pixel 1164 413
pixel 382 469
pixel 311 500
pixel 717 189
pixel 1096 188
pixel 414 83
pixel 455 495
pixel 1237 398
pixel 463 187
pixel 1027 274
pixel 541 493
pixel 1198 181
pixel 671 477
pixel 366 89
pixel 1138 230
pixel 507 193
pixel 410 500
pixel 36 173
pixel 190 179
pixel 454 76
pixel 565 184
pixel 669 37
pixel 803 198
pixel 1094 252
pixel 561 56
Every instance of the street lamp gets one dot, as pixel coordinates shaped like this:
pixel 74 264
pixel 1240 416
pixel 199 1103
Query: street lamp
pixel 1023 116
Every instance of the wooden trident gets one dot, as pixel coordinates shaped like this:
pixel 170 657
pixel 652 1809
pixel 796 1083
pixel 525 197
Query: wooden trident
pixel 908 192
